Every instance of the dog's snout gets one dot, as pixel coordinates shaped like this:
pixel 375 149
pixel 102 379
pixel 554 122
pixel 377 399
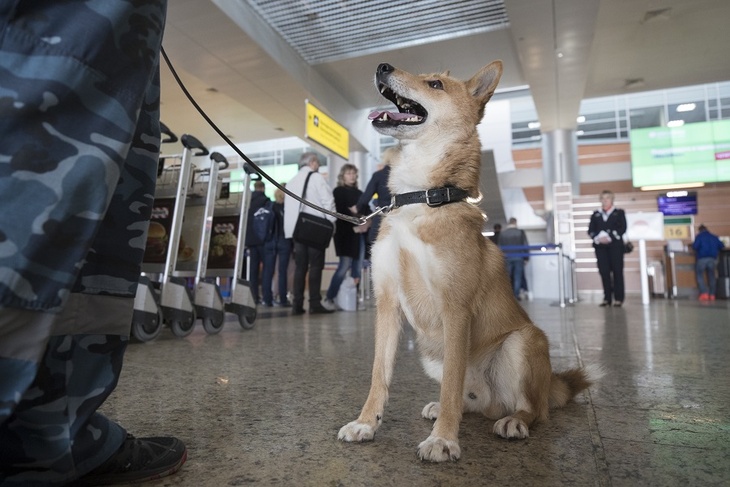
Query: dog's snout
pixel 385 68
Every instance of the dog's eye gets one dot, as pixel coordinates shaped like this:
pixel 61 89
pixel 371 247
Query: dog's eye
pixel 436 84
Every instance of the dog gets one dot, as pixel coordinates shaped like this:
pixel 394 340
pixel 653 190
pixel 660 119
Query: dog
pixel 433 267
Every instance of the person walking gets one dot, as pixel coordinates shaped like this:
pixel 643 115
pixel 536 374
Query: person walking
pixel 347 240
pixel 309 261
pixel 277 251
pixel 514 237
pixel 495 236
pixel 256 235
pixel 377 190
pixel 707 247
pixel 607 228
pixel 81 138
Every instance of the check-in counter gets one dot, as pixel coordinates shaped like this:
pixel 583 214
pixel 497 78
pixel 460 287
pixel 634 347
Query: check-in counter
pixel 681 275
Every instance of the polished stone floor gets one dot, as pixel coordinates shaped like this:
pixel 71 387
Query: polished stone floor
pixel 263 406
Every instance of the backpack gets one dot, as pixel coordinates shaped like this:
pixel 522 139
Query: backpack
pixel 262 226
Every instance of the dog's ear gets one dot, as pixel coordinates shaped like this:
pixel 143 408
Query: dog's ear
pixel 483 84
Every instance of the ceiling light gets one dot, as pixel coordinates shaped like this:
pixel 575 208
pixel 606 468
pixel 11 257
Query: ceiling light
pixel 661 187
pixel 658 14
pixel 580 119
pixel 579 132
pixel 686 107
pixel 632 83
pixel 675 123
pixel 533 125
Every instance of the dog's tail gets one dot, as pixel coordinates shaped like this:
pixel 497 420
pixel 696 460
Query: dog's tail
pixel 565 385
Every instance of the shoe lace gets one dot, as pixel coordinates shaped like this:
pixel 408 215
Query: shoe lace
pixel 133 455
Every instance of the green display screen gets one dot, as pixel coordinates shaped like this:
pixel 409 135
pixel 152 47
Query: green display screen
pixel 692 153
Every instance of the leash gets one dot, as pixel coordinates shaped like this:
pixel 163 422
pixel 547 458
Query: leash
pixel 349 218
pixel 431 197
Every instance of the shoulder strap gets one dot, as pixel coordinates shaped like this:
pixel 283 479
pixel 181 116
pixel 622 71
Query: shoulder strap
pixel 304 192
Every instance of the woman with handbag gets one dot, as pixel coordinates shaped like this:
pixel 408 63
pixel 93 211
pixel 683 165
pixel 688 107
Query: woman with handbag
pixel 347 235
pixel 607 229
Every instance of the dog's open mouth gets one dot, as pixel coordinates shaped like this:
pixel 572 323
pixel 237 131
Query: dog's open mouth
pixel 409 112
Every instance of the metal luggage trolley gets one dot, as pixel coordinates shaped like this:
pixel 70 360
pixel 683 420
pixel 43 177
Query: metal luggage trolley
pixel 163 293
pixel 228 252
pixel 209 304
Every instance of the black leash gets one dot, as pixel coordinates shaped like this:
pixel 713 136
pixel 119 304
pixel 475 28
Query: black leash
pixel 349 218
pixel 431 197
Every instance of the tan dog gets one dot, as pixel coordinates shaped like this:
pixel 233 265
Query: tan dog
pixel 433 268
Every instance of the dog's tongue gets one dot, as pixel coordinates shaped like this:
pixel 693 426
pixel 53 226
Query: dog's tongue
pixel 391 115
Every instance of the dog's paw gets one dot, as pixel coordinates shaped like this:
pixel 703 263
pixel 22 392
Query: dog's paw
pixel 356 431
pixel 510 427
pixel 432 410
pixel 436 449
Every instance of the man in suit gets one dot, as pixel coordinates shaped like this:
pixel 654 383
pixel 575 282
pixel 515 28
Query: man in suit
pixel 607 228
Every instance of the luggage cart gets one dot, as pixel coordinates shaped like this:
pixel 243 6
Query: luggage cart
pixel 168 297
pixel 228 252
pixel 209 304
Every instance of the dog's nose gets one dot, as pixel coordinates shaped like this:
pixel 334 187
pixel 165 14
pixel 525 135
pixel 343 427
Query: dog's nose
pixel 385 68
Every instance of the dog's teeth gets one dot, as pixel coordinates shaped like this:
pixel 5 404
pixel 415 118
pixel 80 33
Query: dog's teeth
pixel 382 89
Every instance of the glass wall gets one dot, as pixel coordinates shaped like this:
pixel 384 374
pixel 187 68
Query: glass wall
pixel 609 119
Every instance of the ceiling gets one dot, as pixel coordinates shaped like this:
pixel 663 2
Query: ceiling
pixel 251 63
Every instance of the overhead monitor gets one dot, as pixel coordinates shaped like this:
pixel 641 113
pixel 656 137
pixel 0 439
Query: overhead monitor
pixel 677 203
pixel 691 153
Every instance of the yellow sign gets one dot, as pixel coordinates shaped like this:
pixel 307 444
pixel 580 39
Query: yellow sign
pixel 680 232
pixel 678 227
pixel 326 132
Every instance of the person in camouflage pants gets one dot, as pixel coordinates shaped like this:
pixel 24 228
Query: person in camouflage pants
pixel 79 125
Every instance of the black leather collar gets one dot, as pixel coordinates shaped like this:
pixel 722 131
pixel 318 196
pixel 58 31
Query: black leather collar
pixel 432 197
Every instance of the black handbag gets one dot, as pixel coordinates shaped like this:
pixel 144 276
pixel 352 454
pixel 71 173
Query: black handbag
pixel 312 230
pixel 628 247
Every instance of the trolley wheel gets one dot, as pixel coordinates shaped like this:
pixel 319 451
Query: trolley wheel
pixel 247 318
pixel 182 328
pixel 145 332
pixel 212 326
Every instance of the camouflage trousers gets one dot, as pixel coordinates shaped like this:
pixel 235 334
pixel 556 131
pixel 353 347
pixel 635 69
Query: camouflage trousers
pixel 79 142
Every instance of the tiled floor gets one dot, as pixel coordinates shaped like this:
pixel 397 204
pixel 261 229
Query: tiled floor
pixel 263 406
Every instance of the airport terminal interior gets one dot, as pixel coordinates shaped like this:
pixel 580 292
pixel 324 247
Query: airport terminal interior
pixel 621 95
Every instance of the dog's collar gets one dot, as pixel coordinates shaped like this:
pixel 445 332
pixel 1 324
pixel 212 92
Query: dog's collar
pixel 432 197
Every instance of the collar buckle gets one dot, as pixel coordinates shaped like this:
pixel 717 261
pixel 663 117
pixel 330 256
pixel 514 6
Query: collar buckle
pixel 440 201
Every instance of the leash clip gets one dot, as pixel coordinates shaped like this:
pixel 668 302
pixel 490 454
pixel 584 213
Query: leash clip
pixel 379 210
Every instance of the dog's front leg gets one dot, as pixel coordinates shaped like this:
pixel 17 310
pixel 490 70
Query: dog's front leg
pixel 443 443
pixel 388 326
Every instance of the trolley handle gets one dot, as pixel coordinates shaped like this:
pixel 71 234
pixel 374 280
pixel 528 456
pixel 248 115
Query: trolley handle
pixel 191 143
pixel 219 158
pixel 171 137
pixel 255 176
